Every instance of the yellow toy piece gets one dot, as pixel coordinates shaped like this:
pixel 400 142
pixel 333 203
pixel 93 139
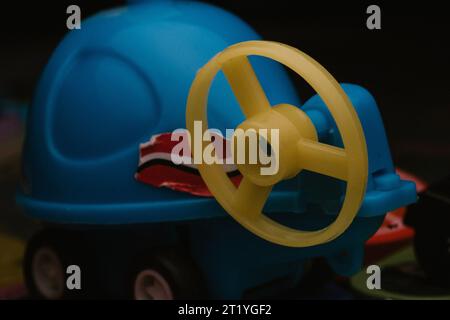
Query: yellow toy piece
pixel 298 143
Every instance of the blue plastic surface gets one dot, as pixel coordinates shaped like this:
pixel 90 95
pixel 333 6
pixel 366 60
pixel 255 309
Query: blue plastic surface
pixel 109 87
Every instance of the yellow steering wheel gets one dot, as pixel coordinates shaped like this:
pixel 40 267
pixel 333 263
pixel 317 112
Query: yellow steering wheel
pixel 298 143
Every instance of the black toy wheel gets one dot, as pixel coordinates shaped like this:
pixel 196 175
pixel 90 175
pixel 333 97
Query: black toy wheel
pixel 432 248
pixel 166 275
pixel 47 257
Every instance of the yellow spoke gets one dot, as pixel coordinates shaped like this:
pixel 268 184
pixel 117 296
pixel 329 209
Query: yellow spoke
pixel 323 158
pixel 250 198
pixel 245 85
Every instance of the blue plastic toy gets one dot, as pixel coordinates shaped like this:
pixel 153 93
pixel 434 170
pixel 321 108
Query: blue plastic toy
pixel 124 77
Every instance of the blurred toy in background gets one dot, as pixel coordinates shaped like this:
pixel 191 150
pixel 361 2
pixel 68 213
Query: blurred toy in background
pixel 125 77
pixel 12 117
pixel 430 218
pixel 401 279
pixel 421 269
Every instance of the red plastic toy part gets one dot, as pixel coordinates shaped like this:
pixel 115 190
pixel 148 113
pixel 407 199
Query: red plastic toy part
pixel 393 233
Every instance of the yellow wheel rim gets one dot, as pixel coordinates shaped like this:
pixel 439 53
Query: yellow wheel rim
pixel 298 141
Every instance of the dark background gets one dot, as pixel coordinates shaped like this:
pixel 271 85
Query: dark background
pixel 405 65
